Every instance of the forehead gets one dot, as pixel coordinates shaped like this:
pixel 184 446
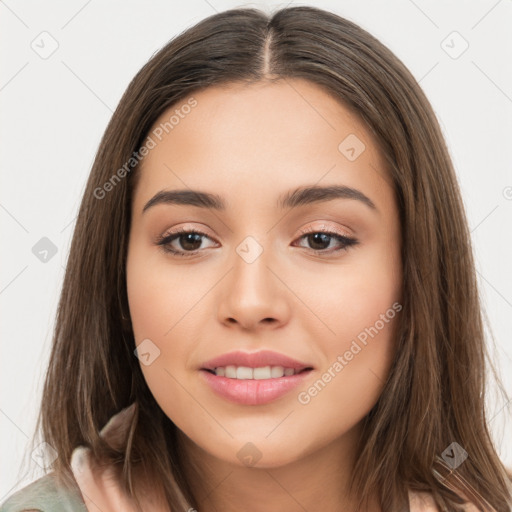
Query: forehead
pixel 259 137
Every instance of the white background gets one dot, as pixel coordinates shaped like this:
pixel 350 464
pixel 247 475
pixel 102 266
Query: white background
pixel 55 110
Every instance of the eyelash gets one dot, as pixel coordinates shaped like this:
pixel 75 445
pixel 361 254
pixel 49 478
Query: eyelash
pixel 164 241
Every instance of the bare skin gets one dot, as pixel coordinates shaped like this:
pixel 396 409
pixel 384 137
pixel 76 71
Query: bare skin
pixel 300 297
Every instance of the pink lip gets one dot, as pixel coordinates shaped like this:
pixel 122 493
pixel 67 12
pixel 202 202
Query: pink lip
pixel 254 360
pixel 251 391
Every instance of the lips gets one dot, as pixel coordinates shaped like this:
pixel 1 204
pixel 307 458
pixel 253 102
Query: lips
pixel 253 378
pixel 255 360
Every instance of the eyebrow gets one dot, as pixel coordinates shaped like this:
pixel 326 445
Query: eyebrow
pixel 292 199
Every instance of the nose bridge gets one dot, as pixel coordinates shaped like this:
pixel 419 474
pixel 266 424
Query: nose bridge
pixel 253 292
pixel 251 249
pixel 251 268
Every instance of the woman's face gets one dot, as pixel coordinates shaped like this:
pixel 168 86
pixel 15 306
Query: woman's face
pixel 261 276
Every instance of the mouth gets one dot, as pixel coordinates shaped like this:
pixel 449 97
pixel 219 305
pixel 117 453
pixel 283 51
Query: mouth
pixel 264 364
pixel 259 373
pixel 254 378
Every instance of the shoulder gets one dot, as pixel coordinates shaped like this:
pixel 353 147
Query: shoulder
pixel 424 502
pixel 44 495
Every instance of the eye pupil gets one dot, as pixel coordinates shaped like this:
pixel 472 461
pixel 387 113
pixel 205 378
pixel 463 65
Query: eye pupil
pixel 322 238
pixel 190 238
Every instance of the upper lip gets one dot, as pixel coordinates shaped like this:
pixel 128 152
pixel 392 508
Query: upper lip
pixel 254 360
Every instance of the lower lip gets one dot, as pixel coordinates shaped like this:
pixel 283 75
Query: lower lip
pixel 251 391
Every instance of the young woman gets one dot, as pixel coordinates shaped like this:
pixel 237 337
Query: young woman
pixel 270 301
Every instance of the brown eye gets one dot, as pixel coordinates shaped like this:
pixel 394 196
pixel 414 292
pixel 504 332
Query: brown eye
pixel 320 241
pixel 183 242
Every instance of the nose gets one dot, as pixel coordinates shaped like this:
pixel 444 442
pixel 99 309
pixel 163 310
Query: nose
pixel 254 295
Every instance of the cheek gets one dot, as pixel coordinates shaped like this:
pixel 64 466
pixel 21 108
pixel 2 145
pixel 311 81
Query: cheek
pixel 148 304
pixel 356 359
pixel 156 300
pixel 354 296
pixel 165 306
pixel 360 305
pixel 159 293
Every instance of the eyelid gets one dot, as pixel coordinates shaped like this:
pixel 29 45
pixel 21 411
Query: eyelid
pixel 325 227
pixel 302 231
pixel 186 228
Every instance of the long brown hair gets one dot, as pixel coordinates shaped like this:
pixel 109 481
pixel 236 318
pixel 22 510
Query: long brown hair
pixel 435 392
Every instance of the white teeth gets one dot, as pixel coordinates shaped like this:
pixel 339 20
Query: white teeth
pixel 276 371
pixel 245 373
pixel 262 373
pixel 230 372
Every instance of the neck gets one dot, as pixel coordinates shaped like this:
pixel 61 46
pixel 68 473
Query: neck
pixel 315 481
